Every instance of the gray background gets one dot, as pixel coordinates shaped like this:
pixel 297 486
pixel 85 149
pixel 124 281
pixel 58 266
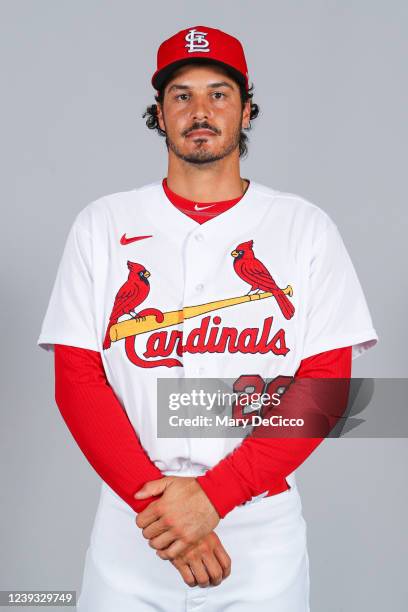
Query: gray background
pixel 330 83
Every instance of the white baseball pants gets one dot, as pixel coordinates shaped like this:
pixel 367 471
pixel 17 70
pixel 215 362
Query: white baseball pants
pixel 266 540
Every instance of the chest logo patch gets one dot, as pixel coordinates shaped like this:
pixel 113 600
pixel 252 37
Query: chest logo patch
pixel 211 336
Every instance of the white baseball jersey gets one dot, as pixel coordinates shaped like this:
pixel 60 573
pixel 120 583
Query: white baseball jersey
pixel 134 253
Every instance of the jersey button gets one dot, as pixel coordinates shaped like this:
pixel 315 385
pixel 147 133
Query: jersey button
pixel 199 287
pixel 199 237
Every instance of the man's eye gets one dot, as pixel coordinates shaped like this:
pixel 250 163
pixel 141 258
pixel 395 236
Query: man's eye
pixel 180 95
pixel 219 93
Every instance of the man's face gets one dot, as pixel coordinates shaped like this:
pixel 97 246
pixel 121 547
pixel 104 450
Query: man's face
pixel 202 97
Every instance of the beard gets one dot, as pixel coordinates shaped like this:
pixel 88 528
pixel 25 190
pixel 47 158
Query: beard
pixel 201 154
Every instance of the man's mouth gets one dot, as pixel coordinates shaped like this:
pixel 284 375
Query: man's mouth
pixel 202 132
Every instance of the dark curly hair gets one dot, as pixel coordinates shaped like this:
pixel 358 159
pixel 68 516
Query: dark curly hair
pixel 153 123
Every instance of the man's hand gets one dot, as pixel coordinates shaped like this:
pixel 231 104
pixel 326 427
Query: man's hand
pixel 204 563
pixel 179 518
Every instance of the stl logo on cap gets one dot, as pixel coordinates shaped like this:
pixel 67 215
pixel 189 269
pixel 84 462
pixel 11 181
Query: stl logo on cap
pixel 196 41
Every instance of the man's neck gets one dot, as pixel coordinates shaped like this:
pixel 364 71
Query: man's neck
pixel 201 186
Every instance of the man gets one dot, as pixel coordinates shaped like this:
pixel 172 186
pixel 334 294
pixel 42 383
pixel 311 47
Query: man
pixel 202 274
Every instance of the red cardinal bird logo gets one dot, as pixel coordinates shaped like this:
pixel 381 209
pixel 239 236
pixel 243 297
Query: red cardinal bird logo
pixel 132 293
pixel 253 272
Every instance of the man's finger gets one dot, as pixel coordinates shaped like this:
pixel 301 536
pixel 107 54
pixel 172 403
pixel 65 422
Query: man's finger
pixel 174 550
pixel 200 572
pixel 163 541
pixel 224 560
pixel 153 487
pixel 154 529
pixel 185 572
pixel 214 569
pixel 148 515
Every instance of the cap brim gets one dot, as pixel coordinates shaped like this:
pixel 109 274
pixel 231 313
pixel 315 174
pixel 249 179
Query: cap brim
pixel 161 76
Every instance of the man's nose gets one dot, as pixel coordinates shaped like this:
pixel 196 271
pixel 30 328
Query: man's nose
pixel 200 109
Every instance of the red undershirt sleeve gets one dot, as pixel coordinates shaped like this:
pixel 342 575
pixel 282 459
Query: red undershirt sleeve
pixel 107 438
pixel 259 464
pixel 100 425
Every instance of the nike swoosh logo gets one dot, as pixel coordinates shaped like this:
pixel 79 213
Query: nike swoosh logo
pixel 125 240
pixel 197 207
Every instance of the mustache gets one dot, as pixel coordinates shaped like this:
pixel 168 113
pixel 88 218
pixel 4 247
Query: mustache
pixel 200 126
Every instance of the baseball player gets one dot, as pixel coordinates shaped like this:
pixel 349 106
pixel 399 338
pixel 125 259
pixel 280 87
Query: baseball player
pixel 200 274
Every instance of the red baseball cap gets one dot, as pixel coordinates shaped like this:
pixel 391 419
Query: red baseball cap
pixel 200 42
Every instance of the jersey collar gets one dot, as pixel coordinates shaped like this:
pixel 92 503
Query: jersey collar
pixel 171 216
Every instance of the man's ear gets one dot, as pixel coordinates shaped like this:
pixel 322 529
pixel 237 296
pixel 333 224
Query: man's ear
pixel 246 114
pixel 160 117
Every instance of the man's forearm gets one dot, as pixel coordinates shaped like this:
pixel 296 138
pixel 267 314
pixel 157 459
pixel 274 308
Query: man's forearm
pixel 100 426
pixel 263 462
